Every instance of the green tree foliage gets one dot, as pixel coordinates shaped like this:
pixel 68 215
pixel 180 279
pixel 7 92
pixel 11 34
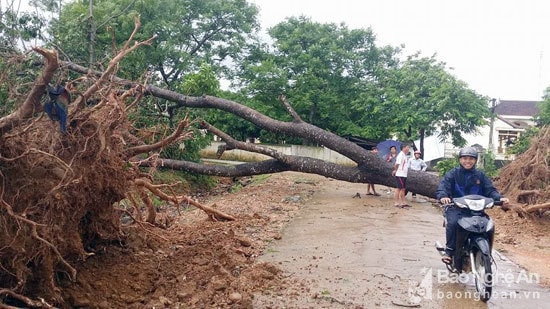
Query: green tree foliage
pixel 486 163
pixel 19 27
pixel 326 71
pixel 154 114
pixel 424 98
pixel 187 34
pixel 543 118
pixel 445 165
pixel 523 142
pixel 195 84
pixel 341 81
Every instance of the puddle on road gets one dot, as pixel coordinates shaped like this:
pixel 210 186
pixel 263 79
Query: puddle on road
pixel 364 253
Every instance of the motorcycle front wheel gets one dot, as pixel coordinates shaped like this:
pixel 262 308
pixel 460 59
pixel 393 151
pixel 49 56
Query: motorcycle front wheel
pixel 484 277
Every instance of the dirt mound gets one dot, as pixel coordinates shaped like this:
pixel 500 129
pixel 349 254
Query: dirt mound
pixel 526 180
pixel 196 262
pixel 524 231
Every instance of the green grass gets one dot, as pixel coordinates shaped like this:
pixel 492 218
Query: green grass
pixel 260 178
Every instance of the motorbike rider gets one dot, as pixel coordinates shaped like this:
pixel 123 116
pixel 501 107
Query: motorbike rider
pixel 462 180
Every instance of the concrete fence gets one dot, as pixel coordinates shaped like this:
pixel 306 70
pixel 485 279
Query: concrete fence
pixel 322 153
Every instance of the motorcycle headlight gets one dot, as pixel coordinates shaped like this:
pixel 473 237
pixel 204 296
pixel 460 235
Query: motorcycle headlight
pixel 475 205
pixel 461 205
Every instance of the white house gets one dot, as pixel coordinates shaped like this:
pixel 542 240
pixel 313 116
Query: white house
pixel 511 118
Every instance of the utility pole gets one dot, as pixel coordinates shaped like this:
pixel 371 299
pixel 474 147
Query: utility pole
pixel 492 123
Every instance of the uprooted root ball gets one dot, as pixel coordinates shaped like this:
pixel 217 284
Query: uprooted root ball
pixel 57 197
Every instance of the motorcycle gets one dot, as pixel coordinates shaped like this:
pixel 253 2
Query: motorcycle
pixel 474 242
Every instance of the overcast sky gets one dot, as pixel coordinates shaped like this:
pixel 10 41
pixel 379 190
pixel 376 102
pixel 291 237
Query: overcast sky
pixel 500 48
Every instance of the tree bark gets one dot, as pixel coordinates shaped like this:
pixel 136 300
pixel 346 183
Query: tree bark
pixel 32 102
pixel 369 169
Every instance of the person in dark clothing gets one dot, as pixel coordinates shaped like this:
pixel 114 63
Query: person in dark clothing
pixel 370 186
pixel 462 180
pixel 57 107
pixel 390 157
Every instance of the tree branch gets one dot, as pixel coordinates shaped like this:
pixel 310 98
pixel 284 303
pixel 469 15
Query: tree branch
pixel 289 108
pixel 234 144
pixel 111 67
pixel 176 135
pixel 368 170
pixel 538 207
pixel 212 213
pixel 32 102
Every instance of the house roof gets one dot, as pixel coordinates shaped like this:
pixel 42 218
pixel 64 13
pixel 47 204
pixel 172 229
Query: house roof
pixel 517 108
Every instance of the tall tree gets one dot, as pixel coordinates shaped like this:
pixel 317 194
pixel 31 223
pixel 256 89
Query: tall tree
pixel 324 69
pixel 187 34
pixel 425 99
pixel 543 118
pixel 20 24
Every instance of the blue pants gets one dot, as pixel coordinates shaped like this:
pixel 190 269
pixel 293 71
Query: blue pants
pixel 452 214
pixel 57 112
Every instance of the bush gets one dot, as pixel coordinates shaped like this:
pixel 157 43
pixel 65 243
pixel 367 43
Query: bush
pixel 523 142
pixel 486 163
pixel 446 165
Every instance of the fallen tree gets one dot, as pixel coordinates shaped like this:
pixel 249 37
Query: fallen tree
pixel 58 190
pixel 369 168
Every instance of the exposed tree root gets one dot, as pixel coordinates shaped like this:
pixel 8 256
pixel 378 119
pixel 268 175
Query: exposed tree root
pixel 57 191
pixel 177 200
pixel 525 181
pixel 27 301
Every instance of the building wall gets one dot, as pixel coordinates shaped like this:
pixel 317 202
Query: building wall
pixel 322 153
pixel 435 149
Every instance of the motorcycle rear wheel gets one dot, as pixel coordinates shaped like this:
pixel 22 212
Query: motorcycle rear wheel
pixel 484 278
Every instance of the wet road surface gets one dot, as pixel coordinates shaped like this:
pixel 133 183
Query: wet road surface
pixel 365 253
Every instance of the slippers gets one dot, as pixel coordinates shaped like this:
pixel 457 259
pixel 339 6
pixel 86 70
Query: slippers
pixel 405 206
pixel 397 205
pixel 376 194
pixel 370 193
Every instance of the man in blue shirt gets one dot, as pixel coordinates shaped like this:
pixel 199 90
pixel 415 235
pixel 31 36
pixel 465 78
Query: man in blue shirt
pixel 462 180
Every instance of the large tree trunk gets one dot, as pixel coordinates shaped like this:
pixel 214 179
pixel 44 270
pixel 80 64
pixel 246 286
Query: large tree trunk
pixel 369 169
